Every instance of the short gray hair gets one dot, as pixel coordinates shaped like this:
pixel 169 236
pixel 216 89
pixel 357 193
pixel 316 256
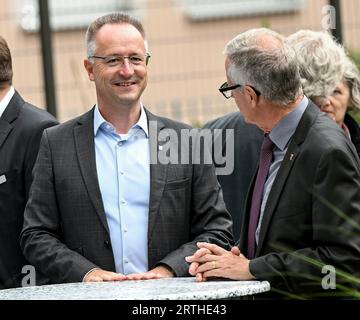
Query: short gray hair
pixel 263 59
pixel 321 61
pixel 111 18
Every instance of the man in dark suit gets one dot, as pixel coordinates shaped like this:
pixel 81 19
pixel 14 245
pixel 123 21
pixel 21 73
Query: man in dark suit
pixel 246 150
pixel 21 127
pixel 301 216
pixel 105 203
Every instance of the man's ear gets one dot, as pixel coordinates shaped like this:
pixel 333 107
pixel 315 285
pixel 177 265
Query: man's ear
pixel 254 98
pixel 89 68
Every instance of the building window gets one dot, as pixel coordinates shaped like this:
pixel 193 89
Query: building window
pixel 210 9
pixel 70 14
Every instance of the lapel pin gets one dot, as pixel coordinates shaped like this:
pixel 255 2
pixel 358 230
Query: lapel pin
pixel 291 156
pixel 2 179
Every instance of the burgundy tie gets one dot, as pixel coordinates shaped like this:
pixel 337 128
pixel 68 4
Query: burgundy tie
pixel 264 166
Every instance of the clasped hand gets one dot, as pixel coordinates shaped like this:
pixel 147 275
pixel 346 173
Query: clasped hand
pixel 211 260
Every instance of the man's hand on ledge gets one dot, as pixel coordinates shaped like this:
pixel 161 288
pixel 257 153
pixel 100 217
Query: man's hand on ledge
pixel 158 272
pixel 99 275
pixel 213 261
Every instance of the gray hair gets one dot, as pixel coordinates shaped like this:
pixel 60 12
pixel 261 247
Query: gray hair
pixel 263 59
pixel 352 78
pixel 324 63
pixel 321 61
pixel 111 18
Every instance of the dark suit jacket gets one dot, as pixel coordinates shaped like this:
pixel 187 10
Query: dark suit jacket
pixel 247 143
pixel 320 172
pixel 21 127
pixel 354 131
pixel 65 230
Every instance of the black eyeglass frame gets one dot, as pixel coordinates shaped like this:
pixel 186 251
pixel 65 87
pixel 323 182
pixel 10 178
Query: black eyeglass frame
pixel 224 88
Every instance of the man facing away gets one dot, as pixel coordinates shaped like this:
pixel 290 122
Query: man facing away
pixel 21 127
pixel 245 151
pixel 99 208
pixel 304 204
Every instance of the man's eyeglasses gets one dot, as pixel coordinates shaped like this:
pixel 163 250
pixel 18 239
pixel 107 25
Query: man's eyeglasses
pixel 115 60
pixel 226 91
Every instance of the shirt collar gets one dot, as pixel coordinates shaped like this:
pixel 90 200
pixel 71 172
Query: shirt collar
pixel 285 129
pixel 99 121
pixel 5 101
pixel 346 130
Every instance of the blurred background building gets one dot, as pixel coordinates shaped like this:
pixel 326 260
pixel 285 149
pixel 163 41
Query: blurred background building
pixel 186 40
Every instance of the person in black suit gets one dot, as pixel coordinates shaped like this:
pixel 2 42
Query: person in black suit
pixel 303 218
pixel 246 150
pixel 21 127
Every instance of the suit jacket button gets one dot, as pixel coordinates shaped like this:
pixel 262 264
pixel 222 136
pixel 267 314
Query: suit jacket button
pixel 107 243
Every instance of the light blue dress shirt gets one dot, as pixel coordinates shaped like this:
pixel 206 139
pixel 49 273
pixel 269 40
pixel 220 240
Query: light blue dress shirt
pixel 123 169
pixel 280 136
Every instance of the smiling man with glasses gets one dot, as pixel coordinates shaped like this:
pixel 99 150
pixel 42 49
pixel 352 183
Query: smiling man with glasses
pixel 308 169
pixel 118 61
pixel 100 209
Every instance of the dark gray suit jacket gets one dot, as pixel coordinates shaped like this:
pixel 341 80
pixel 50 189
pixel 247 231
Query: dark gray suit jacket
pixel 65 230
pixel 21 127
pixel 247 144
pixel 320 172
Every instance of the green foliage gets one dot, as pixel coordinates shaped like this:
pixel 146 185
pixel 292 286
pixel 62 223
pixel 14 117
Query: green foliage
pixel 347 284
pixel 355 56
pixel 196 124
pixel 356 116
pixel 265 23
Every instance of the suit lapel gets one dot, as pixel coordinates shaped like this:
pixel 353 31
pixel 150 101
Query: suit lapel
pixel 289 159
pixel 5 129
pixel 85 149
pixel 10 114
pixel 276 190
pixel 158 171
